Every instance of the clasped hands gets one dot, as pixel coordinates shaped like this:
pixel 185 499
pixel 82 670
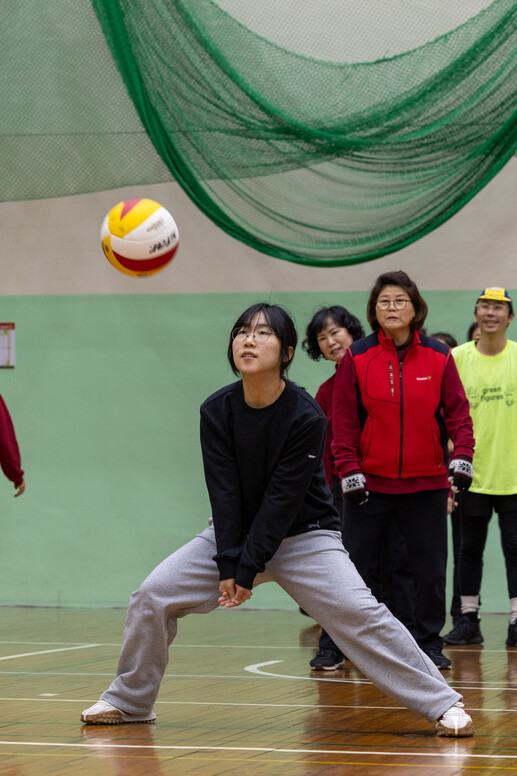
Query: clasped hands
pixel 232 594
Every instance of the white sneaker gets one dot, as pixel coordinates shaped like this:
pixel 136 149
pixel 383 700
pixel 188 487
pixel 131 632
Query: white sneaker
pixel 455 723
pixel 103 713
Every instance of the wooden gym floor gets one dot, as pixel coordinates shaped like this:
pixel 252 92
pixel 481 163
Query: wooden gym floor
pixel 238 698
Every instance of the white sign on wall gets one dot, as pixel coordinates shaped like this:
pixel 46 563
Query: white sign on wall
pixel 7 345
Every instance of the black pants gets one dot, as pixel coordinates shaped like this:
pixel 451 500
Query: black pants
pixel 456 543
pixel 422 520
pixel 325 641
pixel 394 582
pixel 475 511
pixel 394 585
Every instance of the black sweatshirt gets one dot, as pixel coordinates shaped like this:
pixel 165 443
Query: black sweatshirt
pixel 265 476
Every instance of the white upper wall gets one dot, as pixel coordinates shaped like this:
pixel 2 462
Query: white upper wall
pixel 352 30
pixel 53 247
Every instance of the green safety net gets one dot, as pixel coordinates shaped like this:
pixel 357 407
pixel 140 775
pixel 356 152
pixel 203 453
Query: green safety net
pixel 301 141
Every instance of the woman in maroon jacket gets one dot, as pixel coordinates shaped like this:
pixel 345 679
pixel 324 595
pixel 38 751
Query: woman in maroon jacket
pixel 397 400
pixel 9 452
pixel 328 335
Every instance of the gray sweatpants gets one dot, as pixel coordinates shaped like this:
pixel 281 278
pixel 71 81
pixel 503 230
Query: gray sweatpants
pixel 315 570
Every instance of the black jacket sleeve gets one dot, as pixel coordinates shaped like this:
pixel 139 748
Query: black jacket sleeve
pixel 224 490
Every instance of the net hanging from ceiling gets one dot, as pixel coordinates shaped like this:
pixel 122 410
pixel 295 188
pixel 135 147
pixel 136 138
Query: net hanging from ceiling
pixel 304 142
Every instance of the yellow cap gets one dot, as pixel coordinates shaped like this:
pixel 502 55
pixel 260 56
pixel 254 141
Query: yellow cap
pixel 497 294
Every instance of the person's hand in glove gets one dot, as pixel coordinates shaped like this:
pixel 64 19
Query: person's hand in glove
pixel 460 474
pixel 354 488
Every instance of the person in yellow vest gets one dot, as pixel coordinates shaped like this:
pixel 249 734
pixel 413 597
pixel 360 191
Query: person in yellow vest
pixel 488 371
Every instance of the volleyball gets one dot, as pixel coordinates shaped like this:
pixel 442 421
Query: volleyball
pixel 139 237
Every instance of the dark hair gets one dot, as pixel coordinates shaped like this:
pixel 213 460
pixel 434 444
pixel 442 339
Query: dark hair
pixel 397 278
pixel 340 316
pixel 471 329
pixel 444 336
pixel 281 323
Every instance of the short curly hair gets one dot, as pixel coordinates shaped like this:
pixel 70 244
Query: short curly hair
pixel 341 316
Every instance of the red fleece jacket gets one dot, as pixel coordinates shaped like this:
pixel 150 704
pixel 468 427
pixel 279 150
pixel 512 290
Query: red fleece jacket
pixel 391 417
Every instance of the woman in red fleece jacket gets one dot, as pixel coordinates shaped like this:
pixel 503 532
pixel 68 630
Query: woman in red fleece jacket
pixel 397 400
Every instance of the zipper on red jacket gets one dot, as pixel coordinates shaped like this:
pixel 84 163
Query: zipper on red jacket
pixel 401 419
pixel 391 380
pixel 401 361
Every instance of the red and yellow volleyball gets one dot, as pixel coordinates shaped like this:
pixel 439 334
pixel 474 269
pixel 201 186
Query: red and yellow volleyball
pixel 139 237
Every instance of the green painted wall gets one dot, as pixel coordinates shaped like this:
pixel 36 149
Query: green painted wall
pixel 105 398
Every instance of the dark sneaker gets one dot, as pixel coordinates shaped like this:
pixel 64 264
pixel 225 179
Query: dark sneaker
pixel 511 641
pixel 327 660
pixel 466 631
pixel 436 655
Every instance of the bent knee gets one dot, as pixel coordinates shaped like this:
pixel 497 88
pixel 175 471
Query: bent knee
pixel 174 600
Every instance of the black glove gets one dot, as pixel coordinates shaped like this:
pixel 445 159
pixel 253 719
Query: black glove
pixel 460 474
pixel 354 488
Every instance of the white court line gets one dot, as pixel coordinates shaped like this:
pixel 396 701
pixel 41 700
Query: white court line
pixel 49 651
pixel 227 703
pixel 253 669
pixel 456 650
pixel 260 676
pixel 224 703
pixel 195 748
pixel 48 643
pixel 257 669
pixel 263 675
pixel 355 707
pixel 43 673
pixel 174 646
